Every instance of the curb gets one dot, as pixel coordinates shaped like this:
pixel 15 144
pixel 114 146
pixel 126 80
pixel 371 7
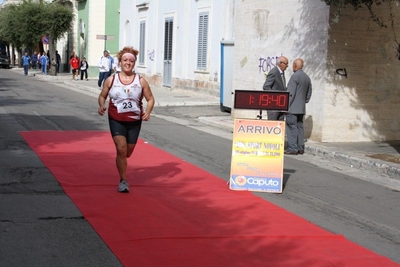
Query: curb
pixel 356 161
pixel 315 149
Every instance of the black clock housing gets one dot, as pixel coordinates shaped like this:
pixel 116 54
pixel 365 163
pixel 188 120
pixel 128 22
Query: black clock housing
pixel 266 100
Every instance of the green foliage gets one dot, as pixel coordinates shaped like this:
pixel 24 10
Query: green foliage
pixel 370 5
pixel 26 23
pixel 357 4
pixel 8 21
pixel 59 20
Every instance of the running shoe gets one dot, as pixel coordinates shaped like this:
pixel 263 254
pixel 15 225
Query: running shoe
pixel 123 187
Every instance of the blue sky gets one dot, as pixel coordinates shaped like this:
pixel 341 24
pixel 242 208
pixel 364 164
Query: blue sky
pixel 1 2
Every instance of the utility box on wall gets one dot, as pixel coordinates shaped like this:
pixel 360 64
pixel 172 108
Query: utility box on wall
pixel 226 90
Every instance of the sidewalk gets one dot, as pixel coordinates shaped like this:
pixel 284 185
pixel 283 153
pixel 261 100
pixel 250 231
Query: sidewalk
pixel 380 157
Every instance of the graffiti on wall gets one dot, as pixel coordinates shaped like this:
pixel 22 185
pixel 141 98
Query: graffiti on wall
pixel 150 55
pixel 266 64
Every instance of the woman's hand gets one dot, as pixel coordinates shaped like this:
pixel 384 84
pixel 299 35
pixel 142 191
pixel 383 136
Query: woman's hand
pixel 146 116
pixel 102 110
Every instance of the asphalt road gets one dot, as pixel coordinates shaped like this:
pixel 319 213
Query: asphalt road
pixel 40 226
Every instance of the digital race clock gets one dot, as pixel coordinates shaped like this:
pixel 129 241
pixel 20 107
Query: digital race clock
pixel 267 100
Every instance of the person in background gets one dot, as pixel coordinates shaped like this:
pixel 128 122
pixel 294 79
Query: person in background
pixel 34 60
pixel 116 65
pixel 112 63
pixel 58 61
pixel 276 82
pixel 26 60
pixel 44 61
pixel 84 67
pixel 74 63
pixel 300 90
pixel 38 58
pixel 48 60
pixel 125 110
pixel 104 68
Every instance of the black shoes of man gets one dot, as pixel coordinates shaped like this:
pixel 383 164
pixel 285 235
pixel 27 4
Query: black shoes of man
pixel 300 152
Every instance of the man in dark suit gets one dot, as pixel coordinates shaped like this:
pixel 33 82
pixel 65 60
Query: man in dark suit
pixel 300 91
pixel 276 82
pixel 58 61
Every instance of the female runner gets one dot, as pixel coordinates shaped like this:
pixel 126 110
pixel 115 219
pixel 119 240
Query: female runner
pixel 125 111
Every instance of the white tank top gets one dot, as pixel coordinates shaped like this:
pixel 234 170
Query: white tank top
pixel 125 100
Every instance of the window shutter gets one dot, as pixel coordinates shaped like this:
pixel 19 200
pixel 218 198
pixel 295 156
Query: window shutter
pixel 203 41
pixel 142 42
pixel 168 39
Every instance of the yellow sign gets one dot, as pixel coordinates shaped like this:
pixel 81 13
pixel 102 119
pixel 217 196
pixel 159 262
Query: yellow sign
pixel 257 155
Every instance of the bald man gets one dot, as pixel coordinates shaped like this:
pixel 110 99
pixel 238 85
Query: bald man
pixel 300 90
pixel 276 82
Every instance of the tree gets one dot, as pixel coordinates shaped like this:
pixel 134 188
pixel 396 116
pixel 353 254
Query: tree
pixel 58 21
pixel 370 5
pixel 26 23
pixel 9 21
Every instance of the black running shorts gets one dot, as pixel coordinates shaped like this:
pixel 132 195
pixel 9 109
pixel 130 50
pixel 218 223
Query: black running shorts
pixel 129 129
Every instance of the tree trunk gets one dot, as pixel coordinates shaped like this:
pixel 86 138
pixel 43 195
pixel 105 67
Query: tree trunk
pixel 52 57
pixel 19 52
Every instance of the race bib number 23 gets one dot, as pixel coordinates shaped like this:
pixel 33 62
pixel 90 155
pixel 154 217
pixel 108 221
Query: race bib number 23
pixel 126 106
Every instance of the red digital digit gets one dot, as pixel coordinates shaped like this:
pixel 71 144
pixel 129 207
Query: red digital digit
pixel 275 98
pixel 282 101
pixel 263 100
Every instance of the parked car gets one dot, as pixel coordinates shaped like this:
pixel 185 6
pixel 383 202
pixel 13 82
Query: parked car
pixel 4 60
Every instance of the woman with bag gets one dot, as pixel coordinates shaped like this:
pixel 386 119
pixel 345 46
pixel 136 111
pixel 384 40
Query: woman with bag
pixel 84 67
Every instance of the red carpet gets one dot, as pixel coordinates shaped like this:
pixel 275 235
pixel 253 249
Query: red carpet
pixel 179 215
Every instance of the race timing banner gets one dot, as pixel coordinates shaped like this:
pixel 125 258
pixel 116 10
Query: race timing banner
pixel 257 155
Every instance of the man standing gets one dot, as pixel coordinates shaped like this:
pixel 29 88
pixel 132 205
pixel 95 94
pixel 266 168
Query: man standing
pixel 26 60
pixel 58 61
pixel 104 68
pixel 112 63
pixel 44 60
pixel 116 65
pixel 34 60
pixel 300 91
pixel 276 82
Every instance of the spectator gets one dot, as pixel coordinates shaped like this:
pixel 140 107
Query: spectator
pixel 116 65
pixel 300 90
pixel 74 63
pixel 44 61
pixel 34 60
pixel 104 68
pixel 39 64
pixel 26 60
pixel 58 61
pixel 84 67
pixel 112 63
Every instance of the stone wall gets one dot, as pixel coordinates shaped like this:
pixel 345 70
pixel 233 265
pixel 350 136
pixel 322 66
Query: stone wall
pixel 363 106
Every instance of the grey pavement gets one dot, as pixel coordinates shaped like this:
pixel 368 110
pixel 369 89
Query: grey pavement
pixel 380 157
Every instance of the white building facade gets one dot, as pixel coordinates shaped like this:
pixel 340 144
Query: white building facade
pixel 179 41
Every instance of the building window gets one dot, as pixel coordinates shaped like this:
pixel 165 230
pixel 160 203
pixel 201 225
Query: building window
pixel 142 42
pixel 202 42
